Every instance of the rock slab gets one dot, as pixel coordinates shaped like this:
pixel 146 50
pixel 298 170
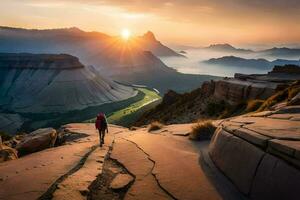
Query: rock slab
pixel 121 181
pixel 37 140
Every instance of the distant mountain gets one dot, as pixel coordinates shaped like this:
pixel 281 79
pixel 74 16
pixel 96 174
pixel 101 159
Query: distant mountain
pixel 233 61
pixel 129 61
pixel 12 37
pixel 227 48
pixel 282 52
pixel 150 43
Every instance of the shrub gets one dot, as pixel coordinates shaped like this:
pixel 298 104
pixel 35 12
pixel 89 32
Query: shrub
pixel 155 126
pixel 274 99
pixel 202 131
pixel 233 110
pixel 293 92
pixel 253 105
pixel 5 136
pixel 215 108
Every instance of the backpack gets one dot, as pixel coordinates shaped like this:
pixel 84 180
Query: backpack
pixel 101 121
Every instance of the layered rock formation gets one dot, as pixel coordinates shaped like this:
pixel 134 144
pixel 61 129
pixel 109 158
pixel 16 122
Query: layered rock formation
pixel 45 84
pixel 33 83
pixel 41 61
pixel 246 87
pixel 259 153
pixel 235 91
pixel 215 98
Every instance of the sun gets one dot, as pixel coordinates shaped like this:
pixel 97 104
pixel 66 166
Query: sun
pixel 125 34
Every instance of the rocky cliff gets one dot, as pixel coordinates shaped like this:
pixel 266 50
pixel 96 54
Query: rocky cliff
pixel 41 61
pixel 259 152
pixel 221 98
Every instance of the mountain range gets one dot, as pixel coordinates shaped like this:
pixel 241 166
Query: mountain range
pixel 233 61
pixel 134 61
pixel 282 52
pixel 227 48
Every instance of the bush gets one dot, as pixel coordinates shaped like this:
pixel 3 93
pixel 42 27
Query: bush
pixel 215 108
pixel 5 136
pixel 274 99
pixel 293 92
pixel 202 131
pixel 253 105
pixel 155 126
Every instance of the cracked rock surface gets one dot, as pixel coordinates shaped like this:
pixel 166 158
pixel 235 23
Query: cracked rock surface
pixel 260 153
pixel 121 181
pixel 165 166
pixel 31 176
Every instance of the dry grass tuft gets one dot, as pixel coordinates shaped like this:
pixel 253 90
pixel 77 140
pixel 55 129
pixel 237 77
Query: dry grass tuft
pixel 155 126
pixel 253 105
pixel 202 131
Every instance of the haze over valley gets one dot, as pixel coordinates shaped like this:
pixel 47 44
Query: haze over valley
pixel 197 57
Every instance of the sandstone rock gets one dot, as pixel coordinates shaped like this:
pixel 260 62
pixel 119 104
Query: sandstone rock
pixel 252 137
pixel 289 110
pixel 7 153
pixel 295 100
pixel 37 141
pixel 275 179
pixel 282 116
pixel 288 147
pixel 236 158
pixel 231 126
pixel 235 91
pixel 276 128
pixel 115 170
pixel 121 181
pixel 261 114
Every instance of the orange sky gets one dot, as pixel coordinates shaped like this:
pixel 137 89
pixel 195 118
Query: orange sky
pixel 189 22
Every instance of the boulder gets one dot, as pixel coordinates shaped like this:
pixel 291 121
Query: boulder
pixel 236 158
pixel 121 181
pixel 36 141
pixel 275 179
pixel 7 153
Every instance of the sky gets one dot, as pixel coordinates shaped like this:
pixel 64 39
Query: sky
pixel 185 22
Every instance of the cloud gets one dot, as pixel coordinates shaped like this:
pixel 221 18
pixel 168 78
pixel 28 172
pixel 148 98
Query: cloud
pixel 222 20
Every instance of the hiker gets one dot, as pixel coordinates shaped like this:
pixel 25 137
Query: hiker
pixel 101 125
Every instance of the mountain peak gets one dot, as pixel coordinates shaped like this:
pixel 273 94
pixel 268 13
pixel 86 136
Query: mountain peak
pixel 149 36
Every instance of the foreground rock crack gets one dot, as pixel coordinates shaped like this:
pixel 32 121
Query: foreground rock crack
pixel 137 162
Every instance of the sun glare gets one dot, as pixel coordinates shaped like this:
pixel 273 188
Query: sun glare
pixel 125 34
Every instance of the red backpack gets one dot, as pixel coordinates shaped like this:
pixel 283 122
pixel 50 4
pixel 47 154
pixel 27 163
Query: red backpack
pixel 100 121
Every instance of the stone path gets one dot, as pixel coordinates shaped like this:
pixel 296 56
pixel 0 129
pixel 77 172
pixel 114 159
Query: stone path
pixel 165 165
pixel 31 176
